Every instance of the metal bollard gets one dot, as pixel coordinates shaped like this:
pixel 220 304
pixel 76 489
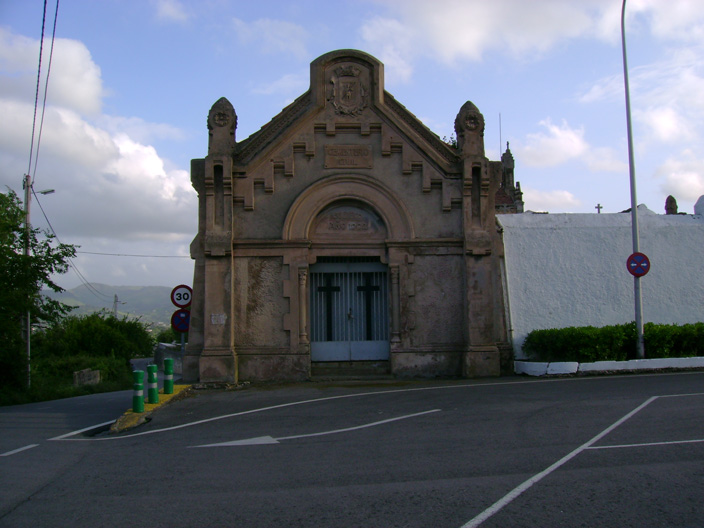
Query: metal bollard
pixel 152 387
pixel 168 375
pixel 138 395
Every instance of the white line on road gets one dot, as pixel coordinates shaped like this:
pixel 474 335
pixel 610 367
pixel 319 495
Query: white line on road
pixel 339 397
pixel 507 499
pixel 72 433
pixel 30 446
pixel 648 444
pixel 271 440
pixel 501 503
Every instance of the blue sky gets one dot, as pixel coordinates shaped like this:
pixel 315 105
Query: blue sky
pixel 132 81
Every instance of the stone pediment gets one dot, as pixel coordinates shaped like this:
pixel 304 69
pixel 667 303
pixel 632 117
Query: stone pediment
pixel 346 94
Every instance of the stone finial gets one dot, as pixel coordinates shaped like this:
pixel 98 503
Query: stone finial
pixel 670 205
pixel 222 122
pixel 469 129
pixel 699 206
pixel 507 158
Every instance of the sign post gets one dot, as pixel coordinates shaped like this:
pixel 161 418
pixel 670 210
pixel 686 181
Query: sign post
pixel 181 297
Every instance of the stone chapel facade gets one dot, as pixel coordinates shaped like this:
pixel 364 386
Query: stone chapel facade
pixel 346 233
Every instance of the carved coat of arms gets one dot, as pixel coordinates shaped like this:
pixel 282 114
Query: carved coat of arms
pixel 348 96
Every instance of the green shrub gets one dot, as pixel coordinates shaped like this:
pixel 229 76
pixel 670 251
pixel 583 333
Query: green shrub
pixel 614 343
pixel 97 341
pixel 97 334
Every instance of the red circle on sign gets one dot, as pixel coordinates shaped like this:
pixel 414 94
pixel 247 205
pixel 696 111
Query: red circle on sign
pixel 181 296
pixel 181 320
pixel 638 264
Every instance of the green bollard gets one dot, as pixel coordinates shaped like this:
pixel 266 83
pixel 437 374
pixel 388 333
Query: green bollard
pixel 168 375
pixel 152 387
pixel 138 395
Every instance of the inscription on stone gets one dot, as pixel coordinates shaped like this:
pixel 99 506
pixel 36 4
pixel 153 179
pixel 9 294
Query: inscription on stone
pixel 348 157
pixel 218 319
pixel 348 221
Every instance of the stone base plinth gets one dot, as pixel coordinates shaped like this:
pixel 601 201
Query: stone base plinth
pixel 191 370
pixel 481 362
pixel 412 364
pixel 218 366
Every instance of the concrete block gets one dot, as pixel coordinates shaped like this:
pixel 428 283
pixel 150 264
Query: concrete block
pixel 530 368
pixel 86 377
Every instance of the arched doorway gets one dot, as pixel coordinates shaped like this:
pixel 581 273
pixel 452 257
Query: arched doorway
pixel 348 295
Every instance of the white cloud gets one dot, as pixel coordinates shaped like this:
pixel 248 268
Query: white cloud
pixel 392 42
pixel 75 80
pixel 110 183
pixel 667 97
pixel 139 129
pixel 666 124
pixel 171 10
pixel 554 201
pixel 674 19
pixel 273 36
pixel 561 143
pixel 287 85
pixel 606 159
pixel 458 30
pixel 684 176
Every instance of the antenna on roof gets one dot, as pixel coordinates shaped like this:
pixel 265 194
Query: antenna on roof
pixel 500 140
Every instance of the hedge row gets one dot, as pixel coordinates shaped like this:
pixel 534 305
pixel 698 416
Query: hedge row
pixel 587 344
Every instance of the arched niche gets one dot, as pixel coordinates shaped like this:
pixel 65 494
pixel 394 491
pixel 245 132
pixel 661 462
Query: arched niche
pixel 346 220
pixel 348 195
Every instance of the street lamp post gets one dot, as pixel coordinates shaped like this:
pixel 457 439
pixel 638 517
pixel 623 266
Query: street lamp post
pixel 634 202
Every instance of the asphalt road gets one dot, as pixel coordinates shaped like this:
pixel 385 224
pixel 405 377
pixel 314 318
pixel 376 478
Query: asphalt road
pixel 597 451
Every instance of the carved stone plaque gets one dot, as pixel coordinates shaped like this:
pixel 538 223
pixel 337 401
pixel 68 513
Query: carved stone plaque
pixel 348 157
pixel 349 221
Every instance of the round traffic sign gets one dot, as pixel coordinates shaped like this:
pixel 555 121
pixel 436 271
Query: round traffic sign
pixel 181 296
pixel 181 320
pixel 638 264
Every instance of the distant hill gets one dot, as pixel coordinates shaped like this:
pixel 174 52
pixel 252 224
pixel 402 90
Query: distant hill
pixel 151 304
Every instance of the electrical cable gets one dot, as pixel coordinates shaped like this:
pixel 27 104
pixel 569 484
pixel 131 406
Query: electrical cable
pixel 72 264
pixel 46 91
pixel 132 255
pixel 36 96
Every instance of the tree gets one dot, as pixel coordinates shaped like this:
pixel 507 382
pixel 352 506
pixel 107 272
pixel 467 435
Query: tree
pixel 22 277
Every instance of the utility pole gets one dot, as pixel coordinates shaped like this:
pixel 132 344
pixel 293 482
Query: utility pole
pixel 27 327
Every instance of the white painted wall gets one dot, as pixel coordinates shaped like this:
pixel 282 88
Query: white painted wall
pixel 570 270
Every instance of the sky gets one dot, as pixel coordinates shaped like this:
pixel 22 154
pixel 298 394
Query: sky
pixel 132 81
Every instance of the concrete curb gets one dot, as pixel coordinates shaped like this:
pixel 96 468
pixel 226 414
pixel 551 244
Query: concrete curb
pixel 535 368
pixel 132 419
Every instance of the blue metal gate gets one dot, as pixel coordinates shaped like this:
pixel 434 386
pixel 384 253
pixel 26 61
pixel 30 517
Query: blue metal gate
pixel 349 311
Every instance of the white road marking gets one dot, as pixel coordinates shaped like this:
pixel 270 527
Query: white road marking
pixel 260 440
pixel 342 396
pixel 674 442
pixel 72 433
pixel 507 499
pixel 504 501
pixel 9 453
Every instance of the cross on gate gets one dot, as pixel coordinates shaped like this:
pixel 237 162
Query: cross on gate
pixel 328 290
pixel 368 289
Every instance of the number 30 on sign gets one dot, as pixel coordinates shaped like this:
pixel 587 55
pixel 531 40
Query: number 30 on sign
pixel 181 296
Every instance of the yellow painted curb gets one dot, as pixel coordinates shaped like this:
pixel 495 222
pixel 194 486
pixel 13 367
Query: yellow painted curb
pixel 132 419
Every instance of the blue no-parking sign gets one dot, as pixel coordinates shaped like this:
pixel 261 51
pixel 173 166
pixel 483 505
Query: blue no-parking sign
pixel 181 320
pixel 638 264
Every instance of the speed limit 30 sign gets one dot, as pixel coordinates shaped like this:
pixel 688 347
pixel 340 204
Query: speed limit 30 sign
pixel 181 296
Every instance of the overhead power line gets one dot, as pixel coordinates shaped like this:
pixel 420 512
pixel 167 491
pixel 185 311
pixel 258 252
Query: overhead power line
pixel 131 255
